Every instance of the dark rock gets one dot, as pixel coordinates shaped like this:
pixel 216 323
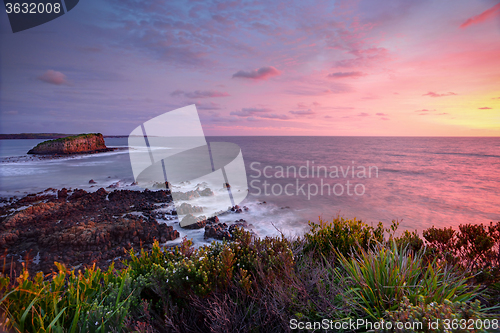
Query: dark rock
pixel 186 208
pixel 217 231
pixel 85 229
pixel 193 222
pixel 206 192
pixel 92 181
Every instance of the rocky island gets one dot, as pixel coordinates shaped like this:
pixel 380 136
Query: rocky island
pixel 76 144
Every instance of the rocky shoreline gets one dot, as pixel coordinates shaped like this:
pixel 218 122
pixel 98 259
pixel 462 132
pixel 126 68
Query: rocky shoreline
pixel 80 228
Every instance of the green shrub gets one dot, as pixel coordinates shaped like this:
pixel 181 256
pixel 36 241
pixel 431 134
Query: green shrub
pixel 342 236
pixel 36 304
pixel 459 317
pixel 383 276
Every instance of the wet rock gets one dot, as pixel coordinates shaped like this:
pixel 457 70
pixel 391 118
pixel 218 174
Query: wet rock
pixel 186 208
pixel 92 181
pixel 193 222
pixel 217 231
pixel 206 192
pixel 84 229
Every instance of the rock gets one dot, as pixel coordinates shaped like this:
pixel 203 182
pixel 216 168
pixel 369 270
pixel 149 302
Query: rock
pixel 186 208
pixel 206 192
pixel 77 144
pixel 92 181
pixel 237 209
pixel 226 185
pixel 217 231
pixel 192 222
pixel 84 229
pixel 114 185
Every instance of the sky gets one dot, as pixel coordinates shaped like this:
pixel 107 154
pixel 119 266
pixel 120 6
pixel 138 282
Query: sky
pixel 328 68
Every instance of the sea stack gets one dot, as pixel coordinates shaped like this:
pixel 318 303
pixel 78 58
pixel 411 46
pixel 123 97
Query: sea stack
pixel 76 144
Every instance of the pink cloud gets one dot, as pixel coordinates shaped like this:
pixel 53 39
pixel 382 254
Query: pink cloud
pixel 341 75
pixel 199 93
pixel 363 114
pixel 433 94
pixel 258 74
pixel 485 108
pixel 484 16
pixel 380 114
pixel 53 77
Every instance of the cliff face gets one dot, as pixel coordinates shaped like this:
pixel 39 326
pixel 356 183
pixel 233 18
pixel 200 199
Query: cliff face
pixel 83 143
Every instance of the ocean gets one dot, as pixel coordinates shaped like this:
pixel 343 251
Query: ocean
pixel 419 181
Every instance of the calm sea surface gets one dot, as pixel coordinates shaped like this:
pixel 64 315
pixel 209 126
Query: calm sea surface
pixel 419 181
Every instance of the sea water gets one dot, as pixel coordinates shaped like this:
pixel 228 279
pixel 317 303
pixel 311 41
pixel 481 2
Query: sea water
pixel 419 181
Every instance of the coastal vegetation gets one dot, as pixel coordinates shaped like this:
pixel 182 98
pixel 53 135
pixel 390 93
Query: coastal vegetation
pixel 340 271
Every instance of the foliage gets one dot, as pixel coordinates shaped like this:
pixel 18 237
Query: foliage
pixel 340 270
pixel 383 276
pixel 37 304
pixel 442 317
pixel 342 236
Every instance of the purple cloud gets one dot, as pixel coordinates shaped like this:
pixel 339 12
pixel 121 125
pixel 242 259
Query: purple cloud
pixel 308 112
pixel 341 75
pixel 433 94
pixel 253 114
pixel 380 114
pixel 53 77
pixel 247 112
pixel 485 108
pixel 199 93
pixel 258 74
pixel 363 114
pixel 275 116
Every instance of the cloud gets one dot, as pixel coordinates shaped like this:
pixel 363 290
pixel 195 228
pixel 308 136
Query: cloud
pixel 275 116
pixel 258 74
pixel 308 112
pixel 485 108
pixel 433 94
pixel 484 16
pixel 496 98
pixel 318 104
pixel 384 118
pixel 363 114
pixel 425 110
pixel 301 105
pixel 341 75
pixel 247 112
pixel 253 114
pixel 53 77
pixel 328 116
pixel 380 114
pixel 199 93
